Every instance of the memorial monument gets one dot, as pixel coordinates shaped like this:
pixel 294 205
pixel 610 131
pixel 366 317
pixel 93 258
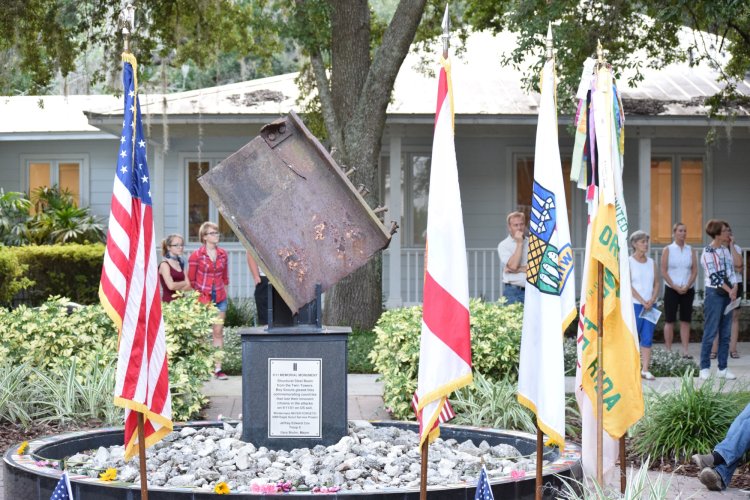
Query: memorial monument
pixel 307 226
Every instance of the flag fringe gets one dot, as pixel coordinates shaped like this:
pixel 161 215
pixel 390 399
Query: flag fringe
pixel 110 310
pixel 131 449
pixel 554 437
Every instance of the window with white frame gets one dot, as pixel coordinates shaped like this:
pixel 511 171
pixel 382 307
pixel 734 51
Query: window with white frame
pixel 199 207
pixel 67 172
pixel 414 189
pixel 676 195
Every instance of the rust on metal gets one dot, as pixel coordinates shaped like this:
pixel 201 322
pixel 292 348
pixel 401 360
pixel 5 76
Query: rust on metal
pixel 295 210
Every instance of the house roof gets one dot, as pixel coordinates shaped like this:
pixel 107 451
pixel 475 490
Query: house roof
pixel 50 114
pixel 483 91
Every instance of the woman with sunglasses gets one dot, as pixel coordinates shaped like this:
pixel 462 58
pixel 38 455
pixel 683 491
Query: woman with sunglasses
pixel 209 276
pixel 172 269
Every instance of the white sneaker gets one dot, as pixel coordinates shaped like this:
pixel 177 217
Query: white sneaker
pixel 647 375
pixel 725 373
pixel 705 373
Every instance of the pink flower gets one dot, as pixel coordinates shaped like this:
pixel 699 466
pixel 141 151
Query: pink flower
pixel 517 474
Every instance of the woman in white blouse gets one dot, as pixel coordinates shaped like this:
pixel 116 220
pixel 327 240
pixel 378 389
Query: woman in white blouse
pixel 645 284
pixel 679 268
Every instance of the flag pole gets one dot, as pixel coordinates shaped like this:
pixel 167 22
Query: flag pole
pixel 127 18
pixel 426 443
pixel 142 456
pixel 623 478
pixel 599 346
pixel 539 433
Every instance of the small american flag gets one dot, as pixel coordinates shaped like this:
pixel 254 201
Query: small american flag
pixel 62 490
pixel 484 490
pixel 446 413
pixel 129 290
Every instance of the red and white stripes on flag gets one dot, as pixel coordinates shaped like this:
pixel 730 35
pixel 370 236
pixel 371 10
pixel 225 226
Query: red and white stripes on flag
pixel 129 288
pixel 445 415
pixel 445 347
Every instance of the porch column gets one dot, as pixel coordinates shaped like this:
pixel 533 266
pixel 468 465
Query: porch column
pixel 394 213
pixel 644 184
pixel 157 194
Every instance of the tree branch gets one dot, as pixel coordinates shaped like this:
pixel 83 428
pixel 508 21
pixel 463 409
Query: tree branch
pixel 326 100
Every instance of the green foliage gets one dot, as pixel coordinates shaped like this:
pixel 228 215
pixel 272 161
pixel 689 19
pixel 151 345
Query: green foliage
pixel 495 343
pixel 16 393
pixel 14 213
pixel 670 363
pixel 71 271
pixel 488 403
pixel 638 485
pixel 240 312
pixel 231 364
pixel 12 276
pixel 361 343
pixel 690 420
pixel 49 336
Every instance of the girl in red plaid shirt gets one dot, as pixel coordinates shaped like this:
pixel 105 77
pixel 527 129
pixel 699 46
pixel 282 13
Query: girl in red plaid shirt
pixel 208 274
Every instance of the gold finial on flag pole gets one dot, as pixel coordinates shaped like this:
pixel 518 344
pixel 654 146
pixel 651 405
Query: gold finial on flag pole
pixel 550 51
pixel 446 31
pixel 127 19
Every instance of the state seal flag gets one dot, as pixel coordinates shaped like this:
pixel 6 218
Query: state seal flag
pixel 550 302
pixel 601 116
pixel 445 343
pixel 129 288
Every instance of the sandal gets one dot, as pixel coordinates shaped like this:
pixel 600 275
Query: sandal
pixel 734 355
pixel 713 355
pixel 687 356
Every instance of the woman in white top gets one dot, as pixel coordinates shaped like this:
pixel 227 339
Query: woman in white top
pixel 679 268
pixel 643 279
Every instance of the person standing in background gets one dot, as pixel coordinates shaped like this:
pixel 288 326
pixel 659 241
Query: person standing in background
pixel 739 269
pixel 172 269
pixel 513 252
pixel 645 285
pixel 209 276
pixel 721 289
pixel 261 291
pixel 679 268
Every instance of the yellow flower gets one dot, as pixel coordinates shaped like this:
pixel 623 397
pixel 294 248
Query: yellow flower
pixel 22 448
pixel 108 475
pixel 221 488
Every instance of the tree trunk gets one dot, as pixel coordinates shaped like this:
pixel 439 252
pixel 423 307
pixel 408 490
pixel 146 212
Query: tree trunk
pixel 360 92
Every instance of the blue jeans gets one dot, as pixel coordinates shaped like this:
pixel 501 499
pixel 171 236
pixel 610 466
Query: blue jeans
pixel 734 445
pixel 513 294
pixel 715 322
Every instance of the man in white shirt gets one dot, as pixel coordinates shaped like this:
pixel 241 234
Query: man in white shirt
pixel 513 252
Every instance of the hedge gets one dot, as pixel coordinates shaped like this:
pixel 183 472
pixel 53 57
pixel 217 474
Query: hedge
pixel 12 279
pixel 71 270
pixel 495 344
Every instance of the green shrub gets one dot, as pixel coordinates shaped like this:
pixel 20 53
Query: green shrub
pixel 231 364
pixel 71 271
pixel 12 276
pixel 48 336
pixel 495 343
pixel 487 403
pixel 361 343
pixel 240 312
pixel 690 420
pixel 670 364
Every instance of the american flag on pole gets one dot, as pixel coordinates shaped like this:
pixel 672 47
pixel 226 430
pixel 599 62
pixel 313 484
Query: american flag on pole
pixel 129 289
pixel 445 348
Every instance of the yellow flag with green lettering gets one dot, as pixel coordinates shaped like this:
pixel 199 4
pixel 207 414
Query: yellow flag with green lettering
pixel 622 392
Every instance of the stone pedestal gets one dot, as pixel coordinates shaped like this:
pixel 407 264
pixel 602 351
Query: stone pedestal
pixel 294 392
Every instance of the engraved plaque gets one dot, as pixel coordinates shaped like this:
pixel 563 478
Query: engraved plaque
pixel 294 399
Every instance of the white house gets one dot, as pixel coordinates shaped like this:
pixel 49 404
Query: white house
pixel 679 164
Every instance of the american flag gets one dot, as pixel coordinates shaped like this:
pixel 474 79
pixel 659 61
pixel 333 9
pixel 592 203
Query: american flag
pixel 129 289
pixel 62 491
pixel 484 490
pixel 446 413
